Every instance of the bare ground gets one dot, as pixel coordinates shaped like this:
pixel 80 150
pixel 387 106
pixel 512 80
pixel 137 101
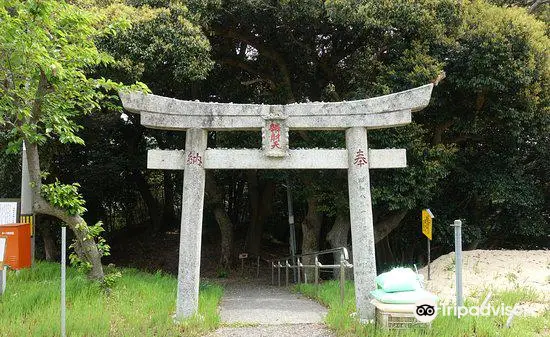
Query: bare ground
pixel 496 270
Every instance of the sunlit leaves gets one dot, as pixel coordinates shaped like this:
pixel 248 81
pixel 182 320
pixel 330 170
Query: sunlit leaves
pixel 164 46
pixel 65 197
pixel 46 48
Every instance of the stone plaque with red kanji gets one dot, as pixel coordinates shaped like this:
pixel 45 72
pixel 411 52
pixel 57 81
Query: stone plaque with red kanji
pixel 275 138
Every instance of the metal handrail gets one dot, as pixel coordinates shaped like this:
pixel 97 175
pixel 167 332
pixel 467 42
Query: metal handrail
pixel 297 264
pixel 344 250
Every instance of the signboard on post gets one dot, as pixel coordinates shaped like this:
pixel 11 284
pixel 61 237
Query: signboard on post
pixel 243 256
pixel 9 211
pixel 427 217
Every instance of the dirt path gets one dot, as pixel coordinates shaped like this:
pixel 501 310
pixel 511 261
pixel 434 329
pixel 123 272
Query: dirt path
pixel 251 308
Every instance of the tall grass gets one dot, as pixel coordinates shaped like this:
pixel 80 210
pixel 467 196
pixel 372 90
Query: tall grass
pixel 139 304
pixel 342 320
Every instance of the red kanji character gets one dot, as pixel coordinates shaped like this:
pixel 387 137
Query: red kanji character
pixel 275 127
pixel 360 158
pixel 194 158
pixel 198 160
pixel 190 158
pixel 275 137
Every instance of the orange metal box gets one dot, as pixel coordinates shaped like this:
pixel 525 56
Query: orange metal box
pixel 18 246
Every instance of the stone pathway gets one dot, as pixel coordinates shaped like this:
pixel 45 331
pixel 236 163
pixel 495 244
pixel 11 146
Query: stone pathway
pixel 279 330
pixel 250 309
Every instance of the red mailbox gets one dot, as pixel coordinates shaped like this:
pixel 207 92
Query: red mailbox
pixel 18 252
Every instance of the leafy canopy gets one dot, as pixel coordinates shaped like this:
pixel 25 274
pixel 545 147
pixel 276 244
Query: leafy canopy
pixel 46 47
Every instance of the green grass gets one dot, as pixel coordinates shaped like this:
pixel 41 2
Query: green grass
pixel 340 318
pixel 520 294
pixel 139 304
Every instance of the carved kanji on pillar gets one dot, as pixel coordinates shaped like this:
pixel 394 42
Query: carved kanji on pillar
pixel 194 158
pixel 360 158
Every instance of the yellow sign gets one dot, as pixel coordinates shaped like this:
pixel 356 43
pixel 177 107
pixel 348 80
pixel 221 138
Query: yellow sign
pixel 427 217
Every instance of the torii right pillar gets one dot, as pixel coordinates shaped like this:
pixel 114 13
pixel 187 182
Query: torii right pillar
pixel 362 227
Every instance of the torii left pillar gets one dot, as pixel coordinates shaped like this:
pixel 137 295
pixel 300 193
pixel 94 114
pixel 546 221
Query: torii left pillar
pixel 191 223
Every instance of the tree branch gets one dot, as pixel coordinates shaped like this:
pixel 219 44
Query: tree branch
pixel 85 248
pixel 250 69
pixel 385 226
pixel 264 50
pixel 438 131
pixel 43 89
pixel 536 5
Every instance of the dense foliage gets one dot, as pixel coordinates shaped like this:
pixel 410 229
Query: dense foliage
pixel 479 152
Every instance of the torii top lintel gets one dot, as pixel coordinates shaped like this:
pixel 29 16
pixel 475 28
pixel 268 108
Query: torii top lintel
pixel 391 110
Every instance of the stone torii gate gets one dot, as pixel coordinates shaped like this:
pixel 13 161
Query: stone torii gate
pixel 355 117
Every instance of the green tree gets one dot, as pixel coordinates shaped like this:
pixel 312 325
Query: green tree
pixel 295 51
pixel 46 48
pixel 165 49
pixel 288 51
pixel 494 107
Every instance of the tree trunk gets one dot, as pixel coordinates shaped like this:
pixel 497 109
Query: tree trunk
pixel 133 136
pixel 85 248
pixel 226 229
pixel 50 247
pixel 261 199
pixel 311 229
pixel 387 224
pixel 536 4
pixel 168 217
pixel 153 206
pixel 338 237
pixel 252 238
pixel 216 199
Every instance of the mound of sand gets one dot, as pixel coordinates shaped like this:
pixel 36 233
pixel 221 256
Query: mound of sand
pixel 495 270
